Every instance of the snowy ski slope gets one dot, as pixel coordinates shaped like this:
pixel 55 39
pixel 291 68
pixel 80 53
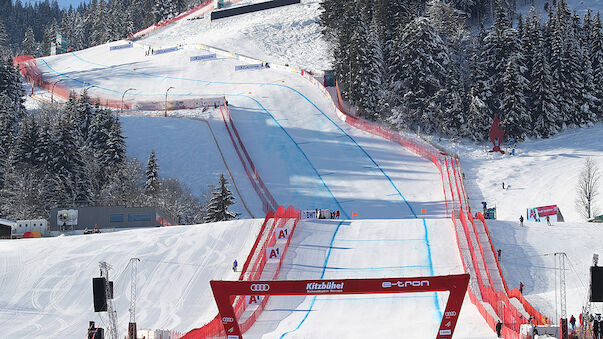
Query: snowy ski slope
pixel 310 159
pixel 47 283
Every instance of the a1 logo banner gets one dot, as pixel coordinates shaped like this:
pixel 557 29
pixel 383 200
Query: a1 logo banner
pixel 253 299
pixel 281 233
pixel 273 253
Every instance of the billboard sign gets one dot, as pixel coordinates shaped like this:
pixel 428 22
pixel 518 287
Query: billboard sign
pixel 535 213
pixel 67 217
pixel 203 57
pixel 166 50
pixel 246 67
pixel 113 48
pixel 455 284
pixel 307 214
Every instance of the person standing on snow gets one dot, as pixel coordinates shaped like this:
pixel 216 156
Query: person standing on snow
pixel 499 251
pixel 234 265
pixel 521 220
pixel 548 220
pixel 573 322
pixel 337 214
pixel 498 328
pixel 520 287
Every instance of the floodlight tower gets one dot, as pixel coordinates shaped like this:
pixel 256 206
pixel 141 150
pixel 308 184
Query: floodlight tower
pixel 132 325
pixel 112 327
pixel 560 265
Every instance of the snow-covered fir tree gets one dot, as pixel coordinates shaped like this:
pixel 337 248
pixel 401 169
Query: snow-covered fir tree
pixel 368 81
pixel 221 200
pixel 152 183
pixel 543 108
pixel 30 45
pixel 516 121
pixel 419 72
pixel 26 145
pixel 5 49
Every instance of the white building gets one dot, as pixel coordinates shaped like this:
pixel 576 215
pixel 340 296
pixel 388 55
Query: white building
pixel 20 227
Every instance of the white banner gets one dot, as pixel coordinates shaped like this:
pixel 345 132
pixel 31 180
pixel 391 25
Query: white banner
pixel 307 214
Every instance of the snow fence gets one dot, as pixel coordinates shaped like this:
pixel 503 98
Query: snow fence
pixel 28 68
pixel 258 266
pixel 268 202
pixel 492 304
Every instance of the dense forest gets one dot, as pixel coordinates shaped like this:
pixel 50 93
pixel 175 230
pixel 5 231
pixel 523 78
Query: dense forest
pixel 75 155
pixel 414 65
pixel 29 29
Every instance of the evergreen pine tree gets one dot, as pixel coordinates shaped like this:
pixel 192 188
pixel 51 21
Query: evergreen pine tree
pixel 30 45
pixel 544 110
pixel 479 118
pixel 27 142
pixel 115 151
pixel 420 73
pixel 516 121
pixel 221 199
pixel 151 185
pixel 5 50
pixel 596 57
pixel 10 85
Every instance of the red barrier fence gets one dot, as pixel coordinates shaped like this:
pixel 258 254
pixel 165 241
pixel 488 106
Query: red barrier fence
pixel 254 269
pixel 268 201
pixel 500 302
pixel 167 22
pixel 29 69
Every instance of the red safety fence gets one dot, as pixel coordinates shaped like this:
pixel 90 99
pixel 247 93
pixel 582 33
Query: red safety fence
pixel 169 21
pixel 28 68
pixel 200 7
pixel 252 270
pixel 457 207
pixel 268 201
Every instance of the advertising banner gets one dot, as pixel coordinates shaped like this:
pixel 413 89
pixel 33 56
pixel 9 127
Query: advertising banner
pixel 307 214
pixel 455 284
pixel 203 57
pixel 246 67
pixel 536 213
pixel 67 217
pixel 113 48
pixel 165 50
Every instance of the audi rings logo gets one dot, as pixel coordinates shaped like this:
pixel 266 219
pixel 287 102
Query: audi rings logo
pixel 226 320
pixel 259 287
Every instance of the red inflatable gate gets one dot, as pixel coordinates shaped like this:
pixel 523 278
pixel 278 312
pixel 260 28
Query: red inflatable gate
pixel 456 284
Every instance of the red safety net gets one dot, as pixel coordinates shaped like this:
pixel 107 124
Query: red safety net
pixel 28 68
pixel 253 269
pixel 458 207
pixel 268 201
pixel 170 21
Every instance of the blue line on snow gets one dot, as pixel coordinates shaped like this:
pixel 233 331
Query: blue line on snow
pixel 435 299
pixel 345 214
pixel 322 275
pixel 292 89
pixel 299 148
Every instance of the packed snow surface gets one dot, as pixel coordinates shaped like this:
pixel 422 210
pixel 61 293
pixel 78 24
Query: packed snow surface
pixel 285 35
pixel 307 158
pixel 542 172
pixel 47 283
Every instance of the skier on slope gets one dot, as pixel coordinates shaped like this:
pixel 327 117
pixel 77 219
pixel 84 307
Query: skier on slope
pixel 234 265
pixel 521 220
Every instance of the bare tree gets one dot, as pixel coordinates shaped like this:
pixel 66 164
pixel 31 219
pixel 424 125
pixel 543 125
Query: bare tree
pixel 588 189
